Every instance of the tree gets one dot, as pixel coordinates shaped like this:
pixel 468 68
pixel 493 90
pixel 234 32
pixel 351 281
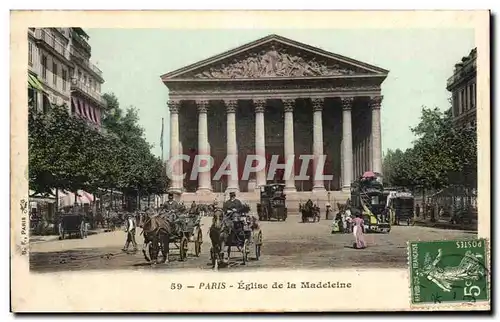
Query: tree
pixel 140 171
pixel 66 153
pixel 441 154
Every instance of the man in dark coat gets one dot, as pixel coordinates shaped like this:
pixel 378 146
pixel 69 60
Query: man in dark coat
pixel 232 203
pixel 171 204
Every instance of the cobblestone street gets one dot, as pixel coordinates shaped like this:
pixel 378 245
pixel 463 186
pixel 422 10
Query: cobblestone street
pixel 289 244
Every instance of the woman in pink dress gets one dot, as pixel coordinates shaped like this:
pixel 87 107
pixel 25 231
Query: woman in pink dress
pixel 358 232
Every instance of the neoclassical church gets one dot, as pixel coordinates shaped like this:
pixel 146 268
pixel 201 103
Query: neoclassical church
pixel 276 97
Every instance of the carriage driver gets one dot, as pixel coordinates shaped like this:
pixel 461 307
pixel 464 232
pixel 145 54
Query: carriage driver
pixel 232 203
pixel 171 204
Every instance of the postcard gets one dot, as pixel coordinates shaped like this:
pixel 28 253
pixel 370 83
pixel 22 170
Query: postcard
pixel 250 161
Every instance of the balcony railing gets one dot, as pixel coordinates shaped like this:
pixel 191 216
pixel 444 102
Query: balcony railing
pixel 50 40
pixel 83 60
pixel 468 67
pixel 81 41
pixel 78 84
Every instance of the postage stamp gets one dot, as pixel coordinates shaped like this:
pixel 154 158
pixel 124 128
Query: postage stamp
pixel 451 271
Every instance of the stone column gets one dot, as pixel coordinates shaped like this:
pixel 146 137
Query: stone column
pixel 363 156
pixel 376 136
pixel 289 143
pixel 204 184
pixel 356 159
pixel 232 147
pixel 318 183
pixel 347 143
pixel 181 167
pixel 173 107
pixel 260 139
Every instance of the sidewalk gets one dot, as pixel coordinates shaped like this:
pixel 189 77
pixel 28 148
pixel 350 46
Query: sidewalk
pixel 42 239
pixel 445 224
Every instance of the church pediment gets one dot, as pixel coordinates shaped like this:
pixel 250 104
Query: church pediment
pixel 274 57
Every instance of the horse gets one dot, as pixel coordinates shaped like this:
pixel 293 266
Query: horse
pixel 156 231
pixel 309 210
pixel 219 233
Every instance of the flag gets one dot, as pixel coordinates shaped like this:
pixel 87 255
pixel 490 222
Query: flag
pixel 161 137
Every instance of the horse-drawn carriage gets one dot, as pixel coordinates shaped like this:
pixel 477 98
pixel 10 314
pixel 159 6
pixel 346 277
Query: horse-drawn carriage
pixel 72 224
pixel 162 229
pixel 368 199
pixel 234 229
pixel 401 207
pixel 187 229
pixel 272 202
pixel 309 211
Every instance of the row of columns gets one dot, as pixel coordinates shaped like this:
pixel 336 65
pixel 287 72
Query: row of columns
pixel 260 148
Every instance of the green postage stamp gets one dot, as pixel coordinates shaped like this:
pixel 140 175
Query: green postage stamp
pixel 451 271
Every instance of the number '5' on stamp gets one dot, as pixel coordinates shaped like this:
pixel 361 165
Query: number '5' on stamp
pixel 452 271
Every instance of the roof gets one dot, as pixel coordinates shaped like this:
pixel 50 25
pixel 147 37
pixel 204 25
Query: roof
pixel 81 32
pixel 256 46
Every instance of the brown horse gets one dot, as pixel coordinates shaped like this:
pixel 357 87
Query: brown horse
pixel 219 234
pixel 157 231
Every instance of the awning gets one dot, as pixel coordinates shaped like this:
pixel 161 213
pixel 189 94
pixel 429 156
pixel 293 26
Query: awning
pixel 83 197
pixel 34 83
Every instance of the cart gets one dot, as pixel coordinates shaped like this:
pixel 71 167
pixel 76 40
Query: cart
pixel 272 203
pixel 72 224
pixel 186 228
pixel 245 235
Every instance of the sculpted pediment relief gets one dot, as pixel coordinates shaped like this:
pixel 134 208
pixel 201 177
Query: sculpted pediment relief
pixel 274 63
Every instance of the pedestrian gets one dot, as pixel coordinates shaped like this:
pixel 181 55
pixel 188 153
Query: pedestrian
pixel 86 226
pixel 328 210
pixel 130 229
pixel 358 232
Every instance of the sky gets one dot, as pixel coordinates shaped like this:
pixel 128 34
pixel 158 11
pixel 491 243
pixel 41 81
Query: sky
pixel 419 63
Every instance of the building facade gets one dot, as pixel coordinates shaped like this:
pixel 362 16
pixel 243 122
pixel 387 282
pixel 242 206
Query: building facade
pixel 462 85
pixel 59 59
pixel 276 97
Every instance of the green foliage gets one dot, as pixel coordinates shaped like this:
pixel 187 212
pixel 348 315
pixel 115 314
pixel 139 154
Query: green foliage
pixel 442 154
pixel 68 154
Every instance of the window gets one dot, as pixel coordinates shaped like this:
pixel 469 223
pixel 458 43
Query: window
pixel 32 98
pixel 54 74
pixel 44 67
pixel 471 101
pixel 46 104
pixel 65 78
pixel 30 53
pixel 79 75
pixel 90 82
pixel 473 95
pixel 462 101
pixel 455 104
pixel 85 80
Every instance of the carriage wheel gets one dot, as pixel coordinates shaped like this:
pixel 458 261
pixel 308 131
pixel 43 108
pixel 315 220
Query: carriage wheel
pixel 183 248
pixel 244 250
pixel 197 243
pixel 258 245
